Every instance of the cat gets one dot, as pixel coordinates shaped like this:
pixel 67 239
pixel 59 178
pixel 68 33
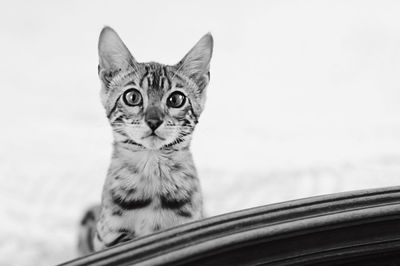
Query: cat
pixel 152 183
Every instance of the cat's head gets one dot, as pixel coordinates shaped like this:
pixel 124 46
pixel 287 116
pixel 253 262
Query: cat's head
pixel 151 105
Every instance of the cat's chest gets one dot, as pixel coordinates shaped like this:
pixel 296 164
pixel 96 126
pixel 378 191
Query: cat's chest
pixel 154 172
pixel 151 192
pixel 153 166
pixel 149 174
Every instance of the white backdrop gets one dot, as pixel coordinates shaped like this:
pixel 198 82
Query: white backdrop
pixel 303 100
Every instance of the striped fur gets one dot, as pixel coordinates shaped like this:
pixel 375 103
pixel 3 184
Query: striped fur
pixel 152 182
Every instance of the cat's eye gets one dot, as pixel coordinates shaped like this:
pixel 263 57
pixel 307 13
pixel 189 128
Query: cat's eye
pixel 176 99
pixel 132 97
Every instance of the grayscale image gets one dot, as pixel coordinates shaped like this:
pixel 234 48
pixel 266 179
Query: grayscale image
pixel 200 132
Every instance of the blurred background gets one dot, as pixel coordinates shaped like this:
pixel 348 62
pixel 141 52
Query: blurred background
pixel 303 100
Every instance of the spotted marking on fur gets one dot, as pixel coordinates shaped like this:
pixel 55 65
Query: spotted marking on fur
pixel 184 213
pixel 129 203
pixel 153 80
pixel 168 202
pixel 120 239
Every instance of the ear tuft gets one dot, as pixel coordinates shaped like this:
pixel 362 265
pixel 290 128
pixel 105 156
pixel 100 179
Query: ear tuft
pixel 113 54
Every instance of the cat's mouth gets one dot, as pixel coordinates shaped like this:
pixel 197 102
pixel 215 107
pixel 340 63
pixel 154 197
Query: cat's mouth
pixel 153 135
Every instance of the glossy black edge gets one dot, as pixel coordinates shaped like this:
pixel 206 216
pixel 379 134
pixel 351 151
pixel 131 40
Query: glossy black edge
pixel 350 224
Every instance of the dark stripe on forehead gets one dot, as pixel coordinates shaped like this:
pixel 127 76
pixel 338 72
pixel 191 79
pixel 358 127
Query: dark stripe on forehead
pixel 144 76
pixel 155 80
pixel 150 80
pixel 167 79
pixel 163 71
pixel 157 77
pixel 161 78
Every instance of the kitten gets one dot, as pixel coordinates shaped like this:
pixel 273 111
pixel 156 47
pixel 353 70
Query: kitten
pixel 152 182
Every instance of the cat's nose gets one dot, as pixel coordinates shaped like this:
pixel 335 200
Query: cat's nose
pixel 153 123
pixel 153 117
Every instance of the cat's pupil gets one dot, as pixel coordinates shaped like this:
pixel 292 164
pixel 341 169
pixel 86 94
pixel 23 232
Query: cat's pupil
pixel 176 100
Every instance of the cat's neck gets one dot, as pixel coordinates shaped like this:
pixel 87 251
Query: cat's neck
pixel 143 158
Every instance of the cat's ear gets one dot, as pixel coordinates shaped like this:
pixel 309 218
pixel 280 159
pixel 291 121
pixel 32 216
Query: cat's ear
pixel 196 66
pixel 114 56
pixel 196 63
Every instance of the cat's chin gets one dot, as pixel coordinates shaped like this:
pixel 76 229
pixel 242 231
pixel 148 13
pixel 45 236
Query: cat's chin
pixel 153 142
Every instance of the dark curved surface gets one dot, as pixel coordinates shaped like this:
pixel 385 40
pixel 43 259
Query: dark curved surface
pixel 351 228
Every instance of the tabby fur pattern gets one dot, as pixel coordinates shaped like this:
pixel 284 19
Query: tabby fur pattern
pixel 152 183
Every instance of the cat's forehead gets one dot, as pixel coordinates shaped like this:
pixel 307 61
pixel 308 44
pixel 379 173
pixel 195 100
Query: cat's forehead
pixel 155 79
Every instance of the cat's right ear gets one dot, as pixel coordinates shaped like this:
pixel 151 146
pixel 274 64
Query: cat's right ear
pixel 196 63
pixel 114 56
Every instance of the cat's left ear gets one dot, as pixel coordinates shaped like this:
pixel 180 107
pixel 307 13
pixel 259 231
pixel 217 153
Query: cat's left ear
pixel 114 56
pixel 196 63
